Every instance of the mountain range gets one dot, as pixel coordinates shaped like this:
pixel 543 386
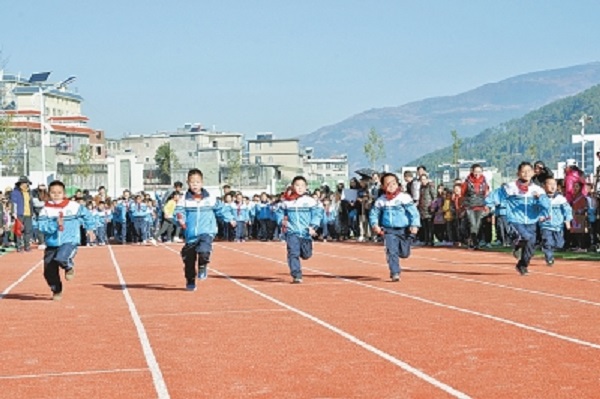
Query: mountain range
pixel 415 129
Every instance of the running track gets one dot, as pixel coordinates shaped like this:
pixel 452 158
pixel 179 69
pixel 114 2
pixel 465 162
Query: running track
pixel 459 324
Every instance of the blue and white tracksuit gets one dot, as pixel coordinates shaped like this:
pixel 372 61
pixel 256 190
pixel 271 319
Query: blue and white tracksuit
pixel 395 216
pixel 61 243
pixel 139 213
pixel 197 214
pixel 296 216
pixel 263 217
pixel 523 211
pixel 241 212
pixel 552 229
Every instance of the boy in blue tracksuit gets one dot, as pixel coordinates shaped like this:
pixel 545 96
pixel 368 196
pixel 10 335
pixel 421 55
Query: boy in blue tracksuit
pixel 263 217
pixel 552 228
pixel 197 212
pixel 395 215
pixel 60 222
pixel 299 216
pixel 241 212
pixel 526 204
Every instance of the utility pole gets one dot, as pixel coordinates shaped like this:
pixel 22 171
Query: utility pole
pixel 584 118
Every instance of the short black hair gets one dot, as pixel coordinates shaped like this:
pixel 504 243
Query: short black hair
pixel 295 179
pixel 56 183
pixel 382 178
pixel 101 188
pixel 475 166
pixel 180 184
pixel 523 164
pixel 193 172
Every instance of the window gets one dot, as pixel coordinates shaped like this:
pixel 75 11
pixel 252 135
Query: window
pixel 147 159
pixel 147 145
pixel 258 160
pixel 98 150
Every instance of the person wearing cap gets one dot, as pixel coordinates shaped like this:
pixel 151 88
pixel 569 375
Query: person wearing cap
pixel 22 203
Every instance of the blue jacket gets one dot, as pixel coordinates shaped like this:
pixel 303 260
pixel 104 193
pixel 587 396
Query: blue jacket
pixel 560 213
pixel 16 197
pixel 199 214
pixel 396 213
pixel 301 213
pixel 263 211
pixel 521 207
pixel 241 212
pixel 73 215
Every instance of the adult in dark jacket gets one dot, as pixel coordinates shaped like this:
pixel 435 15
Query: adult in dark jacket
pixel 427 194
pixel 23 209
pixel 541 173
pixel 474 190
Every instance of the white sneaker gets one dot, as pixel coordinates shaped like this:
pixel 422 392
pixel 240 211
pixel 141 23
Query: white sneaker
pixel 41 247
pixel 153 241
pixel 176 239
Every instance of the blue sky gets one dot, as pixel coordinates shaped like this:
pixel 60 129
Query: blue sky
pixel 289 67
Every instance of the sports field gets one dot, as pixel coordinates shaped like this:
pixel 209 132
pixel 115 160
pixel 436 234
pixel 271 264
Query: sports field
pixel 458 324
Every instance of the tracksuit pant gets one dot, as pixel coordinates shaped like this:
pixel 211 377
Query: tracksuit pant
pixel 297 247
pixel 56 258
pixel 397 245
pixel 196 251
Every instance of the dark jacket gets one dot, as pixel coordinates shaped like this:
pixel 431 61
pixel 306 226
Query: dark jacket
pixel 16 197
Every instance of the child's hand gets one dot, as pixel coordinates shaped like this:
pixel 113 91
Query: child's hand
pixel 413 230
pixel 312 232
pixel 377 230
pixel 233 223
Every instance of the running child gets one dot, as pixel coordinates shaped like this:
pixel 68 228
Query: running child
pixel 197 212
pixel 299 216
pixel 60 222
pixel 395 215
pixel 552 228
pixel 526 203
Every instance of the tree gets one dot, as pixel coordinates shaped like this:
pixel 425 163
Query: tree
pixel 165 159
pixel 374 148
pixel 84 156
pixel 9 139
pixel 234 164
pixel 456 143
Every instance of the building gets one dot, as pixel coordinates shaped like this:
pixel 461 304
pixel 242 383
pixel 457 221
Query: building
pixel 282 154
pixel 324 171
pixel 69 138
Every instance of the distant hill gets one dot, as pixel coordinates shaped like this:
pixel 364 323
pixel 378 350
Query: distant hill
pixel 544 134
pixel 418 128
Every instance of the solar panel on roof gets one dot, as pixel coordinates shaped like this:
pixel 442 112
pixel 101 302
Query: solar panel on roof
pixel 39 77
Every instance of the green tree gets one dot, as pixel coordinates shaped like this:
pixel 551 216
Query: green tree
pixel 234 166
pixel 84 156
pixel 374 148
pixel 456 143
pixel 165 159
pixel 9 141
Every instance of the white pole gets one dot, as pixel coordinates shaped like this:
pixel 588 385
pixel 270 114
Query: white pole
pixel 43 133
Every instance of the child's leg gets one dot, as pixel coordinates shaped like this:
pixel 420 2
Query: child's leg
pixel 306 246
pixel 548 245
pixel 527 232
pixel 391 241
pixel 51 269
pixel 293 255
pixel 204 249
pixel 189 255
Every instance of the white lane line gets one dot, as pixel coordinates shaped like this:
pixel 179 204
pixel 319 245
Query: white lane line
pixel 486 265
pixel 70 373
pixel 442 305
pixel 219 313
pixel 472 280
pixel 157 377
pixel 405 366
pixel 23 277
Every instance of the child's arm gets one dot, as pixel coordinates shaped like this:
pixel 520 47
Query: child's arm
pixel 46 225
pixel 374 217
pixel 179 214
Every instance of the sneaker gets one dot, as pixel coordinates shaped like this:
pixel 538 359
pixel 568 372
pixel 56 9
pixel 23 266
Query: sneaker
pixel 41 247
pixel 153 241
pixel 517 253
pixel 522 270
pixel 57 296
pixel 395 277
pixel 190 287
pixel 202 273
pixel 550 262
pixel 177 239
pixel 70 274
pixel 297 280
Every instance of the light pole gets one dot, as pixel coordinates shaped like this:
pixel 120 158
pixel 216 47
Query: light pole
pixel 584 118
pixel 40 78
